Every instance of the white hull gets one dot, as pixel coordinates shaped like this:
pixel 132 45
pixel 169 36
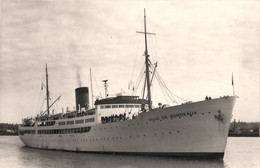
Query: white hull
pixel 185 129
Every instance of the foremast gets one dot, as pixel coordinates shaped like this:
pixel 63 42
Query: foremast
pixel 47 92
pixel 147 74
pixel 147 61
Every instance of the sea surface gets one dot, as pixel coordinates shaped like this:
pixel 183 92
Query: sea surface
pixel 241 152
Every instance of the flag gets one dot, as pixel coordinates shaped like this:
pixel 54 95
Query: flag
pixel 232 80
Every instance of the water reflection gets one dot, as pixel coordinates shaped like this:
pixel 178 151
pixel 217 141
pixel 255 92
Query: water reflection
pixel 30 157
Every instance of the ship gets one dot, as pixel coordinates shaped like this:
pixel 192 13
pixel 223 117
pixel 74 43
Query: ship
pixel 129 124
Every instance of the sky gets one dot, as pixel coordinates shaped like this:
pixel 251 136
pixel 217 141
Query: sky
pixel 198 45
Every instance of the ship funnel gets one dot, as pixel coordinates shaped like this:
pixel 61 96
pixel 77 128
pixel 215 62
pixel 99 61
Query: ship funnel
pixel 82 98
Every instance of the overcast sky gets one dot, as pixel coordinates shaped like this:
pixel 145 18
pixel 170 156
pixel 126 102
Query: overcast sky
pixel 198 44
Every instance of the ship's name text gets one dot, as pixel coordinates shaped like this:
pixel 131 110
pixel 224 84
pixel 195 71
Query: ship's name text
pixel 172 116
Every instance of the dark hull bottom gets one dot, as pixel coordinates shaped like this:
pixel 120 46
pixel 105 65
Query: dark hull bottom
pixel 196 155
pixel 179 155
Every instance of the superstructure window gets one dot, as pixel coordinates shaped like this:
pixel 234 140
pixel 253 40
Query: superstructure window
pixel 70 122
pixel 137 106
pixel 79 121
pixel 89 120
pixel 114 106
pixel 108 106
pixel 121 106
pixel 129 106
pixel 101 107
pixel 50 123
pixel 62 123
pixel 22 132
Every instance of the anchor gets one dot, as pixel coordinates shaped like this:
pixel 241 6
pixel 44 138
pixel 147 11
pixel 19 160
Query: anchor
pixel 220 116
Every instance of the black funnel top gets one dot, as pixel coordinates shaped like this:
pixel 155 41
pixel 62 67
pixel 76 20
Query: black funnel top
pixel 82 97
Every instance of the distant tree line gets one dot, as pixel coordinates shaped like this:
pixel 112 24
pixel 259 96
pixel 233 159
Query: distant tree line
pixel 8 129
pixel 240 128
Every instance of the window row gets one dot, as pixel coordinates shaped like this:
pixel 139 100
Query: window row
pixel 76 121
pixel 121 106
pixel 22 132
pixel 65 131
pixel 47 123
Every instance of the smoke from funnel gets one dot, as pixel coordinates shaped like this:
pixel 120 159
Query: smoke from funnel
pixel 73 49
pixel 78 78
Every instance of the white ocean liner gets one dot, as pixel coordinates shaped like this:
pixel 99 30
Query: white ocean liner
pixel 192 129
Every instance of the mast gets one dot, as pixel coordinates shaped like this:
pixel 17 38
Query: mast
pixel 92 105
pixel 47 92
pixel 233 84
pixel 105 85
pixel 147 72
pixel 147 66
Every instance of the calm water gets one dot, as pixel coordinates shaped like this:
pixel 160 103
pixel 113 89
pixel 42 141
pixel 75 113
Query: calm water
pixel 240 152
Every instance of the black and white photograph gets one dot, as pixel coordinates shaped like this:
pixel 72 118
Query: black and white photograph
pixel 129 83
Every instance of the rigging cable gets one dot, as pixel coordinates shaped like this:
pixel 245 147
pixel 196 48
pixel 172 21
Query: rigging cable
pixel 138 47
pixel 40 95
pixel 164 86
pixel 139 80
pixel 97 86
pixel 42 104
pixel 163 83
pixel 163 91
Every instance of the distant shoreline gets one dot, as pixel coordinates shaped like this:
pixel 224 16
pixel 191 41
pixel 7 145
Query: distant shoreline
pixel 8 134
pixel 255 134
pixel 233 135
pixel 243 136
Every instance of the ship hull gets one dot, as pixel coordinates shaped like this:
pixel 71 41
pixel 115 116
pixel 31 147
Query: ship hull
pixel 197 129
